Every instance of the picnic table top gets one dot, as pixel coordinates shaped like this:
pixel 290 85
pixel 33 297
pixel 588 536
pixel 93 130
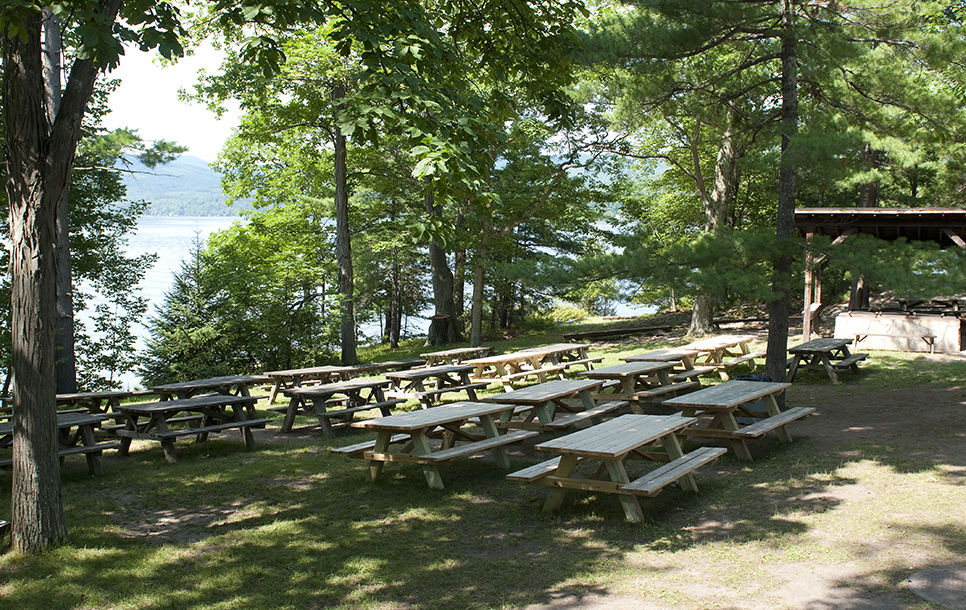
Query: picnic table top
pixel 628 369
pixel 211 382
pixel 556 347
pixel 386 365
pixel 728 394
pixel 63 398
pixel 618 436
pixel 429 371
pixel 670 354
pixel 64 420
pixel 428 418
pixel 458 351
pixel 826 344
pixel 508 357
pixel 719 342
pixel 543 392
pixel 187 404
pixel 337 387
pixel 313 370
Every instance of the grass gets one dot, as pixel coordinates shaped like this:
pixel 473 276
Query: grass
pixel 872 489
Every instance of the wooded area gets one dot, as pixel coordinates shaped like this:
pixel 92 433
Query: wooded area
pixel 514 155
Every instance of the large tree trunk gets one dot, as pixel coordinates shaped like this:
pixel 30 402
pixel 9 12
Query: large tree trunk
pixel 778 307
pixel 717 210
pixel 39 158
pixel 443 329
pixel 343 247
pixel 65 364
pixel 394 318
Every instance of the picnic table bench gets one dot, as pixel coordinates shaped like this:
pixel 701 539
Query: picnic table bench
pixel 725 352
pixel 830 353
pixel 554 405
pixel 205 414
pixel 410 433
pixel 612 443
pixel 454 356
pixel 639 382
pixel 446 379
pixel 75 436
pixel 716 407
pixel 346 397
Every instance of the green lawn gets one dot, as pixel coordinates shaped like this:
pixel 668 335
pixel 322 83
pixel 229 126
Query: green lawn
pixel 872 488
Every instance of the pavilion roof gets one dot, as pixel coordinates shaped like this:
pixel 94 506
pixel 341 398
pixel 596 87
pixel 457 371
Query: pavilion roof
pixel 947 226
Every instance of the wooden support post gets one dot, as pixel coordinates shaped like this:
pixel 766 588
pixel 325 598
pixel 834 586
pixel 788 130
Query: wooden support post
pixel 807 309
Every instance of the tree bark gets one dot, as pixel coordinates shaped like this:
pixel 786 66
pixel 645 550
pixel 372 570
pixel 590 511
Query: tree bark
pixel 443 329
pixel 778 307
pixel 65 364
pixel 476 311
pixel 343 246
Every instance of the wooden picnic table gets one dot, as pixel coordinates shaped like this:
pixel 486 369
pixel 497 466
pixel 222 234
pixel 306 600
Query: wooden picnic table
pixel 163 420
pixel 725 352
pixel 346 398
pixel 75 435
pixel 682 358
pixel 410 433
pixel 831 353
pixel 717 406
pixel 539 405
pixel 566 354
pixel 235 385
pixel 450 378
pixel 612 443
pixel 639 382
pixel 454 356
pixel 94 402
pixel 510 368
pixel 293 378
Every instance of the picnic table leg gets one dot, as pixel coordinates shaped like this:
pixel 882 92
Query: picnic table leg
pixel 491 431
pixel 293 406
pixel 829 369
pixel 771 406
pixel 793 367
pixel 565 468
pixel 130 423
pixel 93 459
pixel 274 393
pixel 318 405
pixel 246 431
pixel 632 508
pixel 381 447
pixel 672 445
pixel 738 445
pixel 629 388
pixel 422 446
pixel 167 444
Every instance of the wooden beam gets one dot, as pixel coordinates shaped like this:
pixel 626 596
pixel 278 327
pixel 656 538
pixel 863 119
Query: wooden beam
pixel 953 235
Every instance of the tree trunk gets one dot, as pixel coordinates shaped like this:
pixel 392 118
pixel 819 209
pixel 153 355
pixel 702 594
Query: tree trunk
pixel 869 191
pixel 36 506
pixel 479 277
pixel 343 246
pixel 65 363
pixel 701 315
pixel 778 307
pixel 443 329
pixel 859 296
pixel 394 318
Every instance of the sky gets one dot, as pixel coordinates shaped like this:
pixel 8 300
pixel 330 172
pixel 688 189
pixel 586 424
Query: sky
pixel 147 101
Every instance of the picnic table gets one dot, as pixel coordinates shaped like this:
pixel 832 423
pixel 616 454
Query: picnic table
pixel 236 385
pixel 683 359
pixel 94 402
pixel 717 406
pixel 409 434
pixel 75 435
pixel 444 379
pixel 293 378
pixel 612 443
pixel 510 368
pixel 725 352
pixel 830 353
pixel 163 420
pixel 641 381
pixel 566 354
pixel 539 405
pixel 454 356
pixel 347 398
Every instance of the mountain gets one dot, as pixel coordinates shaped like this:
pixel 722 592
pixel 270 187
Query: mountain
pixel 184 187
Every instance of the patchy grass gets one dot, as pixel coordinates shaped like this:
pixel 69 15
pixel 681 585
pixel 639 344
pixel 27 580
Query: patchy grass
pixel 871 490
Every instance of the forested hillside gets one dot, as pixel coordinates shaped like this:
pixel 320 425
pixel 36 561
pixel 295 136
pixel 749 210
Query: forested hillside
pixel 185 187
